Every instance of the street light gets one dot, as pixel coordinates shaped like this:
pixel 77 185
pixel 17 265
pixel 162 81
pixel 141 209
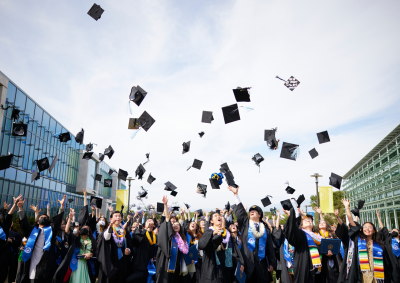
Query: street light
pixel 316 175
pixel 129 192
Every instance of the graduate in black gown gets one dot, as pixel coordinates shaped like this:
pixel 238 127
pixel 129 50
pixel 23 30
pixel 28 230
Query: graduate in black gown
pixel 370 261
pixel 236 239
pixel 38 263
pixel 5 248
pixel 113 252
pixel 342 232
pixel 172 245
pixel 257 247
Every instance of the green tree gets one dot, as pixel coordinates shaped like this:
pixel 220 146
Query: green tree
pixel 337 204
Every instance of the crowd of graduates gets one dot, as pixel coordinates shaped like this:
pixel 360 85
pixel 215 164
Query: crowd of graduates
pixel 229 245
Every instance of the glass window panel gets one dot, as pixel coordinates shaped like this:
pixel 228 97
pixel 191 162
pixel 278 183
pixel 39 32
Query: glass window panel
pixel 22 190
pixel 4 187
pixel 30 108
pixel 31 190
pixel 21 153
pixel 10 173
pixel 39 182
pixel 16 190
pixel 46 120
pixel 46 183
pixel 21 176
pixel 20 100
pixel 11 90
pixel 35 191
pixel 38 114
pixel 11 189
pixel 58 128
pixel 52 126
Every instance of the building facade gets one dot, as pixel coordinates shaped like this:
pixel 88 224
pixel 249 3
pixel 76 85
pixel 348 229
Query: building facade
pixel 71 173
pixel 376 179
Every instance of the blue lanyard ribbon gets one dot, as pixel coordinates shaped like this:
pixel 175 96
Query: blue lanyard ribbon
pixel 251 243
pixel 152 270
pixel 2 234
pixel 286 253
pixel 395 247
pixel 341 250
pixel 174 256
pixel 74 261
pixel 48 233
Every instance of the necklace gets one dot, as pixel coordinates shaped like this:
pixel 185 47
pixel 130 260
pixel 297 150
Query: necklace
pixel 118 239
pixel 256 234
pixel 152 242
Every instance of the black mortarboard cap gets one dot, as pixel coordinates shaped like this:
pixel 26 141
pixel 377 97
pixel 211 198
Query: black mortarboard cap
pixel 197 164
pixel 290 151
pixel 187 206
pixel 140 171
pixel 43 164
pixel 257 158
pixel 89 147
pixel 286 204
pixel 15 114
pixel 5 161
pixel 150 179
pixel 200 211
pixel 291 83
pixel 79 136
pixel 242 94
pixel 356 211
pixel 169 186
pixel 35 175
pixel 122 174
pixel 207 117
pixel 175 208
pixel 229 179
pixel 95 12
pixel 323 137
pixel 290 190
pixel 360 204
pixel 64 137
pixel 313 153
pixel 87 155
pixel 101 157
pixel 146 121
pixel 111 171
pixel 228 206
pixel 143 194
pixel 96 201
pixel 270 138
pixel 202 189
pixel 173 193
pixel 53 163
pixel 108 183
pixel 19 130
pixel 214 183
pixel 299 200
pixel 133 124
pixel 98 177
pixel 231 113
pixel 201 134
pixel 266 201
pixel 137 95
pixel 160 207
pixel 225 168
pixel 109 151
pixel 186 147
pixel 335 181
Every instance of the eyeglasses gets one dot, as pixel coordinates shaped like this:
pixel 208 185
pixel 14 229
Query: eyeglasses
pixel 368 228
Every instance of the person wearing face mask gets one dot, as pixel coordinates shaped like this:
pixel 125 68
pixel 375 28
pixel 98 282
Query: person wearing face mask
pixel 257 247
pixel 369 261
pixel 39 255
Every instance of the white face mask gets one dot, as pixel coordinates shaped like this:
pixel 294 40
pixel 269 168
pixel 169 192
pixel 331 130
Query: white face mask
pixel 75 231
pixel 102 223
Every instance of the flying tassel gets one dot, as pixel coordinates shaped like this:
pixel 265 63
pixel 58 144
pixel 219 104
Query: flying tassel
pixel 135 133
pixel 188 168
pixel 128 108
pixel 280 78
pixel 247 108
pixel 295 152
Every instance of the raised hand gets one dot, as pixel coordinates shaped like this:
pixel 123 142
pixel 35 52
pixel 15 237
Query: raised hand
pixel 165 200
pixel 6 206
pixel 318 210
pixel 84 191
pixel 48 206
pixel 377 213
pixel 16 200
pixel 71 213
pixel 32 207
pixel 233 190
pixel 346 203
pixel 62 201
pixel 196 213
pixel 336 212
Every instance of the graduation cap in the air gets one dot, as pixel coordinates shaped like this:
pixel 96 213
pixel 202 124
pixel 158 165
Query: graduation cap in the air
pixel 200 211
pixel 214 183
pixel 313 153
pixel 289 189
pixel 173 193
pixel 230 179
pixel 98 177
pixel 140 171
pixel 299 200
pixel 160 207
pixel 224 168
pixel 231 113
pixel 207 117
pixel 228 206
pixel 186 147
pixel 5 161
pixel 290 151
pixel 150 179
pixel 43 164
pixel 15 114
pixel 148 158
pixel 201 134
pixel 257 158
pixel 111 171
pixel 270 138
pixel 79 136
pixel 187 206
pixel 96 201
pixel 143 193
pixel 87 155
pixel 107 183
pixel 19 130
pixel 202 189
pixel 64 137
pixel 53 163
pixel 122 174
pixel 358 207
pixel 109 151
pixel 335 181
pixel 273 211
pixel 266 201
pixel 323 137
pixel 137 95
pixel 291 83
pixel 89 147
pixel 95 12
pixel 286 204
pixel 133 124
pixel 35 175
pixel 197 164
pixel 175 208
pixel 242 94
pixel 101 157
pixel 146 121
pixel 169 186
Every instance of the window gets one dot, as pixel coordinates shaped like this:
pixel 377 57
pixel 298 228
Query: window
pixel 20 101
pixel 91 174
pixel 30 108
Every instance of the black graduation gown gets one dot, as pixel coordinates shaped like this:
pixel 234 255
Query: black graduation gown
pixel 231 271
pixel 47 265
pixel 251 260
pixel 355 271
pixel 328 274
pixel 112 269
pixel 302 263
pixel 342 232
pixel 5 247
pixel 387 239
pixel 279 235
pixel 16 242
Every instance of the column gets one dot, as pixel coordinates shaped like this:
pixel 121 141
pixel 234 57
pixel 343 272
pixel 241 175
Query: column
pixel 396 221
pixel 3 95
pixel 387 218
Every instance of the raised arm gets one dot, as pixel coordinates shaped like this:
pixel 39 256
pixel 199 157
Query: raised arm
pixel 273 220
pixel 48 209
pixel 36 210
pixel 68 226
pixel 319 211
pixel 278 218
pixel 346 204
pixel 14 206
pixel 183 214
pixel 340 221
pixel 378 215
pixel 165 201
pixel 84 197
pixel 292 232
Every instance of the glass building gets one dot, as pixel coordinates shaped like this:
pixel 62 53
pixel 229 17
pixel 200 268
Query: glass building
pixel 41 142
pixel 376 179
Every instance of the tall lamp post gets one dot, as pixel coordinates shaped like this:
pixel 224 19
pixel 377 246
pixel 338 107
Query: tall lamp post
pixel 316 175
pixel 129 192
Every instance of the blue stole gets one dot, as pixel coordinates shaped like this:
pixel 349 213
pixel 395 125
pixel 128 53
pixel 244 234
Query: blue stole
pixel 48 233
pixel 286 253
pixel 341 250
pixel 58 260
pixel 174 256
pixel 152 270
pixel 228 255
pixel 188 238
pixel 74 261
pixel 395 247
pixel 251 243
pixel 240 245
pixel 95 235
pixel 2 234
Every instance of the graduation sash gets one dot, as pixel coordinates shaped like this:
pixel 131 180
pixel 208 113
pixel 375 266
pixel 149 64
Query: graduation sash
pixel 2 234
pixel 313 240
pixel 341 250
pixel 48 233
pixel 74 261
pixel 377 253
pixel 286 254
pixel 152 270
pixel 188 238
pixel 395 247
pixel 174 256
pixel 251 243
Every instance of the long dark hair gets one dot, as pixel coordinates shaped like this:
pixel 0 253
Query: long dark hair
pixel 376 236
pixel 237 232
pixel 197 232
pixel 183 236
